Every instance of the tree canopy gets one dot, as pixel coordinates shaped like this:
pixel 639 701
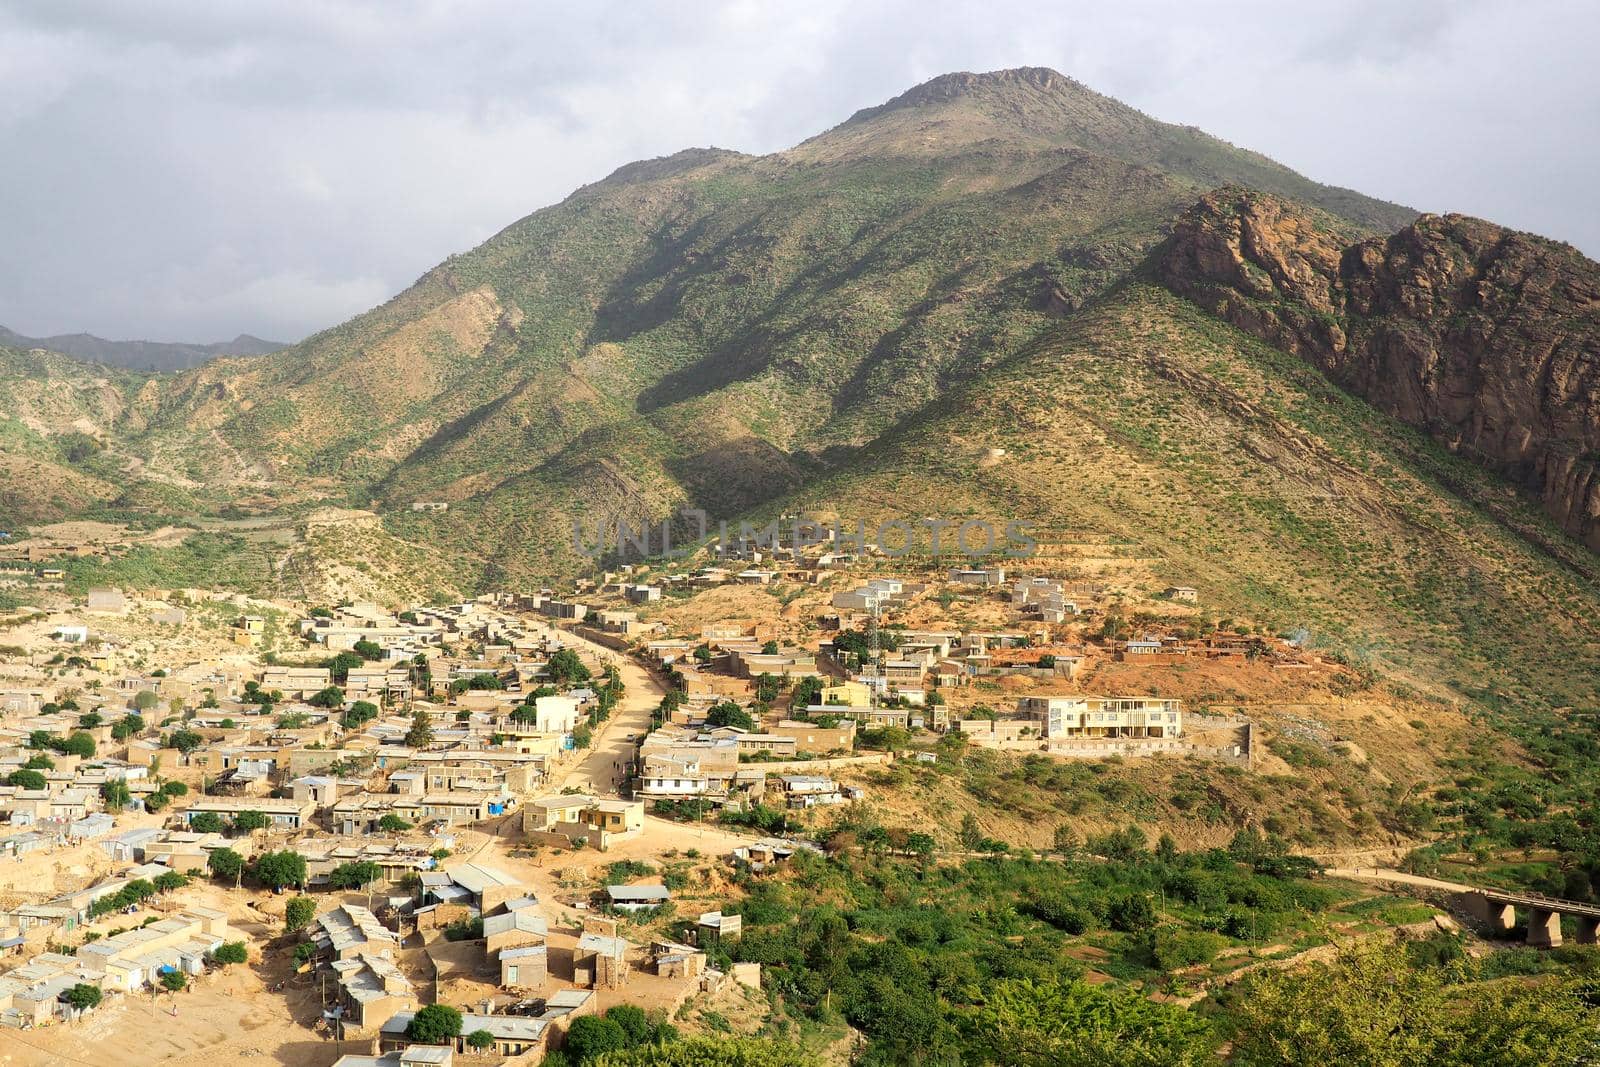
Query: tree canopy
pixel 278 869
pixel 728 713
pixel 434 1024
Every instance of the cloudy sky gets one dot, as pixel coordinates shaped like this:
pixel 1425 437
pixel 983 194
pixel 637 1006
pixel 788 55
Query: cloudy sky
pixel 193 170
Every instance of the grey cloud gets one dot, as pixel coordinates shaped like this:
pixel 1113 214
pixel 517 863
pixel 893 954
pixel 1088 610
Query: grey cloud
pixel 193 170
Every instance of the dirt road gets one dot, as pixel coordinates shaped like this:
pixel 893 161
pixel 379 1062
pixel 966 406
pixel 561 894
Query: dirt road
pixel 603 767
pixel 1378 874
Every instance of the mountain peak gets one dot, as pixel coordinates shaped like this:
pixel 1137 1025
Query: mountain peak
pixel 965 83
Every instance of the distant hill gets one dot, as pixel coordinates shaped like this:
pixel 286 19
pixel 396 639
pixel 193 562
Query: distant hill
pixel 141 355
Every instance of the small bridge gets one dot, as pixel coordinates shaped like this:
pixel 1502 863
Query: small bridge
pixel 1496 908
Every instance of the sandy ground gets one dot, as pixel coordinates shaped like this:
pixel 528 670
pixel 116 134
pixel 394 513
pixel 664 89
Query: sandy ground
pixel 238 1013
pixel 226 1018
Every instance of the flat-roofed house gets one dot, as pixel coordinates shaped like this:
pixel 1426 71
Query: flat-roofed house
pixel 284 814
pixel 510 1035
pixel 514 929
pixel 372 988
pixel 350 930
pixel 599 821
pixel 600 961
pixel 637 897
pixel 525 967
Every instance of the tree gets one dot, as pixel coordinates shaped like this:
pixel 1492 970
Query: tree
pixel 634 1022
pixel 331 697
pixel 767 687
pixel 114 791
pixel 78 744
pixel 1051 1022
pixel 154 802
pixel 231 952
pixel 173 981
pixel 480 1039
pixel 1131 913
pixel 367 650
pixel 565 668
pixel 174 789
pixel 185 741
pixel 770 648
pixel 339 666
pixel 920 845
pixel 298 913
pixel 144 700
pixel 392 823
pixel 126 727
pixel 1065 840
pixel 971 832
pixel 168 881
pixel 708 1052
pixel 359 714
pixel 355 875
pixel 84 996
pixel 90 719
pixel 39 762
pixel 26 779
pixel 421 733
pixel 206 822
pixel 435 1024
pixel 591 1036
pixel 806 691
pixel 278 869
pixel 224 862
pixel 728 713
pixel 246 821
pixel 1373 1004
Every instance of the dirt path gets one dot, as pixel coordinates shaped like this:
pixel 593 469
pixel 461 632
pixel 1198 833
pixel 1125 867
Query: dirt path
pixel 1380 874
pixel 604 765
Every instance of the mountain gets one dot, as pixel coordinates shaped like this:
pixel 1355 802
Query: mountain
pixel 731 331
pixel 998 295
pixel 56 419
pixel 140 355
pixel 1487 338
pixel 712 328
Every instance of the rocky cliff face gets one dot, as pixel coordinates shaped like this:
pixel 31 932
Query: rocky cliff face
pixel 1486 338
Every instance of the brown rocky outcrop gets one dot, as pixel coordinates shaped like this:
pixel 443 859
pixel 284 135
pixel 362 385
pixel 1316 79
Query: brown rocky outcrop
pixel 1486 338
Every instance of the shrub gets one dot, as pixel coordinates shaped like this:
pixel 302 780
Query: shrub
pixel 590 1036
pixel 84 996
pixel 635 1024
pixel 231 952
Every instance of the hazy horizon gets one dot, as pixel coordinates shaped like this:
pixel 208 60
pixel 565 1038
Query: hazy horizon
pixel 191 173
